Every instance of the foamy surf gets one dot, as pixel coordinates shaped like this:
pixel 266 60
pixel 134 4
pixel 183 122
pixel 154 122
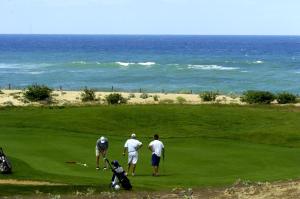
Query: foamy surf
pixel 146 63
pixel 133 63
pixel 124 63
pixel 210 67
pixel 258 62
pixel 79 62
pixel 36 72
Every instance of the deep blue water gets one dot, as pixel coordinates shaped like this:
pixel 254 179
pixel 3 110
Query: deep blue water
pixel 153 63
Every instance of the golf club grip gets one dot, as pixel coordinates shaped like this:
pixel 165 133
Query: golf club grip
pixel 71 162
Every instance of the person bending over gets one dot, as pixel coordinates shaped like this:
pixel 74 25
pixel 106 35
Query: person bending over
pixel 101 149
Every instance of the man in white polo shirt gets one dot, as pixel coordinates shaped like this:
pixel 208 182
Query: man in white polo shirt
pixel 157 148
pixel 132 146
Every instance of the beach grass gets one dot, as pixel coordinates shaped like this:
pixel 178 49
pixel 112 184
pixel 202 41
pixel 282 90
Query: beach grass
pixel 206 145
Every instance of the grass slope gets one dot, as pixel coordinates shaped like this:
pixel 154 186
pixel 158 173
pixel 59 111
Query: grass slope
pixel 206 145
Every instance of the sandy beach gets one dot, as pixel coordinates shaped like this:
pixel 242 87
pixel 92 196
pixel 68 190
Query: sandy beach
pixel 15 98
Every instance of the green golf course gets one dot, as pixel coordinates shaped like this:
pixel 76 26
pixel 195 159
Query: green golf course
pixel 206 145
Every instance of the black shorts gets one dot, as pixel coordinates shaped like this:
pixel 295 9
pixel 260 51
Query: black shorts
pixel 155 160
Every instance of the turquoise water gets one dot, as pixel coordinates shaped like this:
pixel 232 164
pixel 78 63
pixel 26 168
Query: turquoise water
pixel 153 63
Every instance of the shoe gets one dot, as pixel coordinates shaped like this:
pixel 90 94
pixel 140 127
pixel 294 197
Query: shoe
pixel 133 174
pixel 104 168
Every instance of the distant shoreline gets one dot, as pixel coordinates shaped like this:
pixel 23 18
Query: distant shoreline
pixel 65 98
pixel 15 98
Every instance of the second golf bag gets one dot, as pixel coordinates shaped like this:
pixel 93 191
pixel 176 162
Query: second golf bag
pixel 119 174
pixel 5 165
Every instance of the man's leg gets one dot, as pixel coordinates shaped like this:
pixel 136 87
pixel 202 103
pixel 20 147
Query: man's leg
pixel 97 162
pixel 128 168
pixel 133 169
pixel 156 170
pixel 134 161
pixel 103 153
pixel 157 165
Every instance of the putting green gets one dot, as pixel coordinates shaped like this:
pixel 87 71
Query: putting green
pixel 205 145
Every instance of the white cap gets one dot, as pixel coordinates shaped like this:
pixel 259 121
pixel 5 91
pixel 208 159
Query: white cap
pixel 102 138
pixel 133 135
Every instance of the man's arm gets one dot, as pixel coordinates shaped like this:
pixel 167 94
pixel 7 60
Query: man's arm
pixel 125 149
pixel 139 146
pixel 150 148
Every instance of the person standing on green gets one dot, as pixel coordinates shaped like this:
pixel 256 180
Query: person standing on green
pixel 101 149
pixel 158 149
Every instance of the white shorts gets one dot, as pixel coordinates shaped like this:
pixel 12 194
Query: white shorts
pixel 133 157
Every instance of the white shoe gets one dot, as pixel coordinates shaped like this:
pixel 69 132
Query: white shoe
pixel 133 174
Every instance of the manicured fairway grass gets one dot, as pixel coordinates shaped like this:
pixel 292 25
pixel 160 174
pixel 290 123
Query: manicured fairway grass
pixel 207 145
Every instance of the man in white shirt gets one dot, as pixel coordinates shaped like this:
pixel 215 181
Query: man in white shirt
pixel 157 148
pixel 132 146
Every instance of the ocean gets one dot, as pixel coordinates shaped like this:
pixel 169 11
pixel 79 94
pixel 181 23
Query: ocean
pixel 228 64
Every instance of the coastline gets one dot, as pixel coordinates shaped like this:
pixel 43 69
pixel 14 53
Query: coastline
pixel 61 98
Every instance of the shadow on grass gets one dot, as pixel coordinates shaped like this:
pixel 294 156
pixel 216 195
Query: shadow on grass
pixel 22 171
pixel 11 190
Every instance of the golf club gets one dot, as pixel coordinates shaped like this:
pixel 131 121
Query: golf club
pixel 78 163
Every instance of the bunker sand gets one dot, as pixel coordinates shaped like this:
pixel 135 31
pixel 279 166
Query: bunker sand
pixel 27 182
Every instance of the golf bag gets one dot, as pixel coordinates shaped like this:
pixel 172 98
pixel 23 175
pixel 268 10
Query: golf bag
pixel 119 173
pixel 5 166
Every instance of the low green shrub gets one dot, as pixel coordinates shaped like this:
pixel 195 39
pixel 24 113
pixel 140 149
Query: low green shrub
pixel 131 95
pixel 166 101
pixel 155 98
pixel 286 98
pixel 258 97
pixel 115 98
pixel 185 92
pixel 1 92
pixel 88 95
pixel 144 96
pixel 8 103
pixel 180 100
pixel 37 93
pixel 208 96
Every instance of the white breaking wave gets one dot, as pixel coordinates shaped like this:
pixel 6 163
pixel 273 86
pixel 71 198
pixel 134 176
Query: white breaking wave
pixel 146 63
pixel 8 66
pixel 132 63
pixel 23 65
pixel 36 72
pixel 210 67
pixel 79 62
pixel 258 62
pixel 124 63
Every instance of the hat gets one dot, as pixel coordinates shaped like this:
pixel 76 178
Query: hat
pixel 115 163
pixel 133 135
pixel 102 139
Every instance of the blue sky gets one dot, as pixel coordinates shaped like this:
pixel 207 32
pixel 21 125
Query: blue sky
pixel 204 17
